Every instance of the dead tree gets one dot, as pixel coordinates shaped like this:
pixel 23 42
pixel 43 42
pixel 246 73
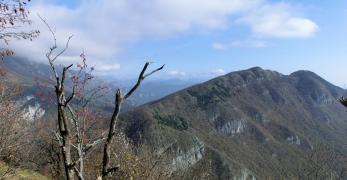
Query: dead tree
pixel 106 164
pixel 70 135
pixel 64 135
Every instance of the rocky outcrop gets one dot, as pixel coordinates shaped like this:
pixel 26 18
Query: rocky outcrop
pixel 231 127
pixel 33 112
pixel 185 159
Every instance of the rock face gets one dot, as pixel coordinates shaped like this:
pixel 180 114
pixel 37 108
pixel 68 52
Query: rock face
pixel 31 113
pixel 186 159
pixel 230 127
pixel 252 124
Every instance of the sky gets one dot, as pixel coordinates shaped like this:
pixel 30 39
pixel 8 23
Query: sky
pixel 196 38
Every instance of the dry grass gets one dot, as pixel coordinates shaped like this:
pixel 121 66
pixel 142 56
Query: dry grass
pixel 7 172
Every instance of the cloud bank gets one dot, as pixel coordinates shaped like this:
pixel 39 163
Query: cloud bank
pixel 279 21
pixel 251 43
pixel 103 29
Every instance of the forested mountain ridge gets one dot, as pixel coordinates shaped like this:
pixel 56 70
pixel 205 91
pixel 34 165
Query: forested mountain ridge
pixel 247 124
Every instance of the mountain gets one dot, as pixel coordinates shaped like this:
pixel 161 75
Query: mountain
pixel 251 124
pixel 35 80
pixel 151 90
pixel 25 71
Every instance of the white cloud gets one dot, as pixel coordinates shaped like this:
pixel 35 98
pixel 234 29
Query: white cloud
pixel 249 43
pixel 104 28
pixel 240 44
pixel 107 67
pixel 218 72
pixel 176 73
pixel 219 46
pixel 101 28
pixel 280 21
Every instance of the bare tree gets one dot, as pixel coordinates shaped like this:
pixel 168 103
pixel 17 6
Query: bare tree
pixel 106 164
pixel 324 162
pixel 10 131
pixel 70 134
pixel 137 162
pixel 64 135
pixel 14 129
pixel 13 16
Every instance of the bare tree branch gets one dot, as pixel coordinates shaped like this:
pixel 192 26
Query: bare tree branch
pixel 154 71
pixel 68 100
pixel 66 47
pixel 141 78
pixel 51 31
pixel 58 137
pixel 64 73
pixel 106 167
pixel 79 174
pixel 93 144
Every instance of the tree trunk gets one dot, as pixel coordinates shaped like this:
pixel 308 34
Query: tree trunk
pixel 107 148
pixel 66 138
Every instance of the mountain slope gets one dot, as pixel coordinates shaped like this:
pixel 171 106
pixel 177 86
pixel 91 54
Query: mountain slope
pixel 248 124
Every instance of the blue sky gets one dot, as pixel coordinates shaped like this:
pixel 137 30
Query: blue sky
pixel 201 38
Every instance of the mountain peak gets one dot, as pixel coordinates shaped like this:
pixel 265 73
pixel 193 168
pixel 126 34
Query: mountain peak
pixel 256 68
pixel 305 73
pixel 254 73
pixel 244 112
pixel 306 76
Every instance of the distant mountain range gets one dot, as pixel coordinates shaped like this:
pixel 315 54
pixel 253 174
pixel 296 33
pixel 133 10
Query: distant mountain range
pixel 36 79
pixel 251 124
